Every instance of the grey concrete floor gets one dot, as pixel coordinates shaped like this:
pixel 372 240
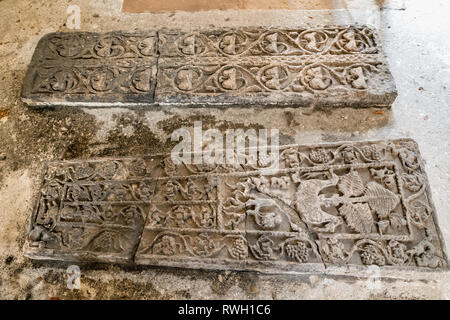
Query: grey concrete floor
pixel 415 37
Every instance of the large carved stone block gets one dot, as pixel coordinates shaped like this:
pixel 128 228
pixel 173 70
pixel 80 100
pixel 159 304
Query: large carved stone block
pixel 92 69
pixel 322 67
pixel 349 203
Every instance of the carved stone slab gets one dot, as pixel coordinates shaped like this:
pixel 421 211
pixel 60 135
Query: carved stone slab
pixel 92 69
pixel 352 203
pixel 324 67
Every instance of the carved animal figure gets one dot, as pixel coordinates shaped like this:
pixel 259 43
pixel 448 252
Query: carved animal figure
pixel 267 219
pixel 308 204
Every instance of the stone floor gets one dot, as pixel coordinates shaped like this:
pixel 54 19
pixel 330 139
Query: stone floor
pixel 415 39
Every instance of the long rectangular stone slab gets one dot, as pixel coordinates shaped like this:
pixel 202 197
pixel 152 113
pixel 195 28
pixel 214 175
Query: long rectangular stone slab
pixel 92 69
pixel 340 204
pixel 272 42
pixel 335 66
pixel 322 67
pixel 274 82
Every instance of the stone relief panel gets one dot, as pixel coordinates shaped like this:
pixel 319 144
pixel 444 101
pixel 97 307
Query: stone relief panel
pixel 349 203
pixel 341 66
pixel 92 69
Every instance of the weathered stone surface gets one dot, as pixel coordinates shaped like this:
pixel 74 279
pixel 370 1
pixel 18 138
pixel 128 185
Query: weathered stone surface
pixel 322 67
pixel 337 40
pixel 92 69
pixel 352 203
